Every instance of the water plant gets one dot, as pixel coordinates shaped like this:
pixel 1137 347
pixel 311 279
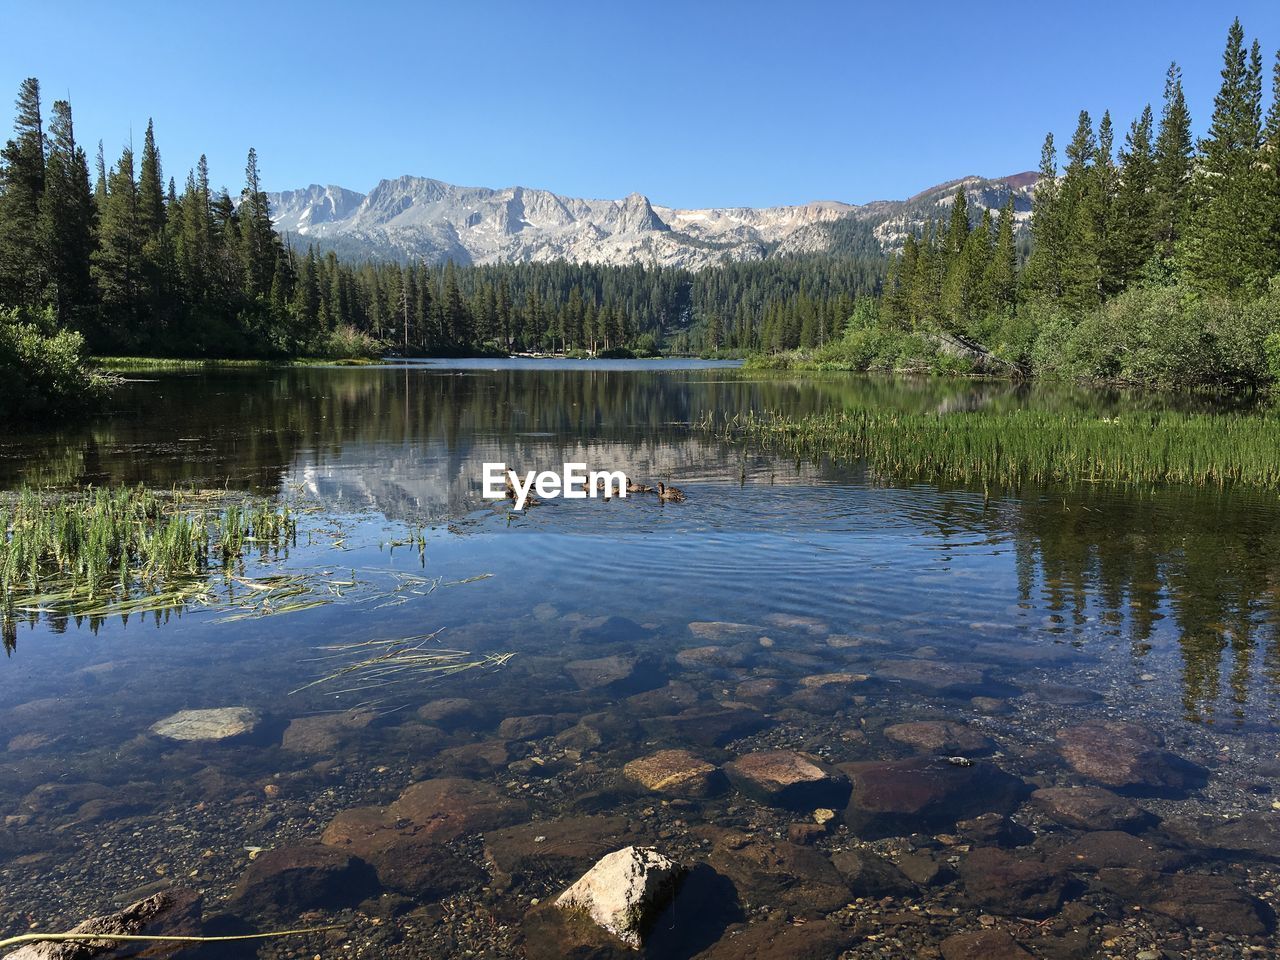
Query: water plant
pixel 1011 449
pixel 128 550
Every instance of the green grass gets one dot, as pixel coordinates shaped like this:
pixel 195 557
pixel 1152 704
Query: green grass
pixel 1024 447
pixel 126 550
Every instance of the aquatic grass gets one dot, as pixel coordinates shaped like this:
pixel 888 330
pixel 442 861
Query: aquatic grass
pixel 100 552
pixel 378 667
pixel 1012 449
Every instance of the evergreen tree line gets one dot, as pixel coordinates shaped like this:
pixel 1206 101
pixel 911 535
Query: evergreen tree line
pixel 1155 260
pixel 137 265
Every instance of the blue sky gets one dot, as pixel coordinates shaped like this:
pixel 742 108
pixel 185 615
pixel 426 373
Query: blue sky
pixel 690 103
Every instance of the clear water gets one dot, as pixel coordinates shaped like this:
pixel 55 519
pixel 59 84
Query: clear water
pixel 1162 604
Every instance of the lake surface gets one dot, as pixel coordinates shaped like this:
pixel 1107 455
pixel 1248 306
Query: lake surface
pixel 1112 639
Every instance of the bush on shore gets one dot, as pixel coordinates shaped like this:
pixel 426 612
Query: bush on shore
pixel 43 369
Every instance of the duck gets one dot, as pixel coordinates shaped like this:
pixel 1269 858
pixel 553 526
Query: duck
pixel 670 494
pixel 514 497
pixel 634 487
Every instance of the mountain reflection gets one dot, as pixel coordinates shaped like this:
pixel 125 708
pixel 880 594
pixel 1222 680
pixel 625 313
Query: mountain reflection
pixel 1198 570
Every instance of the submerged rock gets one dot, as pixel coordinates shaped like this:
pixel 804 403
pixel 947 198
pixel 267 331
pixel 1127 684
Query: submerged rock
pixel 982 945
pixel 785 778
pixel 1127 756
pixel 220 723
pixel 624 891
pixel 779 939
pixel 1090 808
pixel 1253 835
pixel 677 773
pixel 924 794
pixel 324 733
pixel 777 873
pixel 994 829
pixel 723 630
pixel 1214 902
pixel 1013 884
pixel 435 810
pixel 799 624
pixel 870 875
pixel 533 727
pixel 942 677
pixel 171 912
pixel 288 881
pixel 614 674
pixel 709 725
pixel 940 736
pixel 566 845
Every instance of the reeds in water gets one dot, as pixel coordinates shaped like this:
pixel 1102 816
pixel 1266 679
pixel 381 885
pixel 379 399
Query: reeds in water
pixel 128 549
pixel 1023 447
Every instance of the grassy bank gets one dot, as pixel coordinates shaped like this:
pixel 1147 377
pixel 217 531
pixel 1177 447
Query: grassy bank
pixel 1009 450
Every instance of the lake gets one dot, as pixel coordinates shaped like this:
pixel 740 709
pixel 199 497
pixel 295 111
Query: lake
pixel 871 716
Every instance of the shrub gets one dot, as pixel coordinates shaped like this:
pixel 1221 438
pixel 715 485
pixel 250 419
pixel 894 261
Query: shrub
pixel 347 343
pixel 42 369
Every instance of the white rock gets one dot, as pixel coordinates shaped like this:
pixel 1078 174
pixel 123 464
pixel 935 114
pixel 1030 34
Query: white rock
pixel 218 724
pixel 624 891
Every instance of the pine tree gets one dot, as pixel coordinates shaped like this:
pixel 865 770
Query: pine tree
pixel 1103 199
pixel 1135 232
pixel 22 181
pixel 1171 176
pixel 1228 248
pixel 259 241
pixel 67 221
pixel 117 262
pixel 1001 279
pixel 1043 274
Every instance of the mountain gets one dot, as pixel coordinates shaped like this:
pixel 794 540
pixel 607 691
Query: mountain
pixel 420 218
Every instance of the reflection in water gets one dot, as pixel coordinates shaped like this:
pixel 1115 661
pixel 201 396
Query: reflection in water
pixel 408 443
pixel 811 592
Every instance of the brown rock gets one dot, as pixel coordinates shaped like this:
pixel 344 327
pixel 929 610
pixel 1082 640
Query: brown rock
pixel 677 773
pixel 709 725
pixel 615 674
pixel 1090 808
pixel 664 701
pixel 841 679
pixel 1100 849
pixel 1012 884
pixel 761 688
pixel 527 728
pixel 563 847
pixel 287 881
pixel 935 675
pixel 446 808
pixel 419 868
pixel 1254 836
pixel 174 911
pixel 777 873
pixel 925 794
pixel 721 630
pixel 982 945
pixel 450 713
pixel 940 736
pixel 1214 902
pixel 711 656
pixel 324 734
pixel 435 811
pixel 798 624
pixel 1127 756
pixel 868 874
pixel 785 778
pixel 782 940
